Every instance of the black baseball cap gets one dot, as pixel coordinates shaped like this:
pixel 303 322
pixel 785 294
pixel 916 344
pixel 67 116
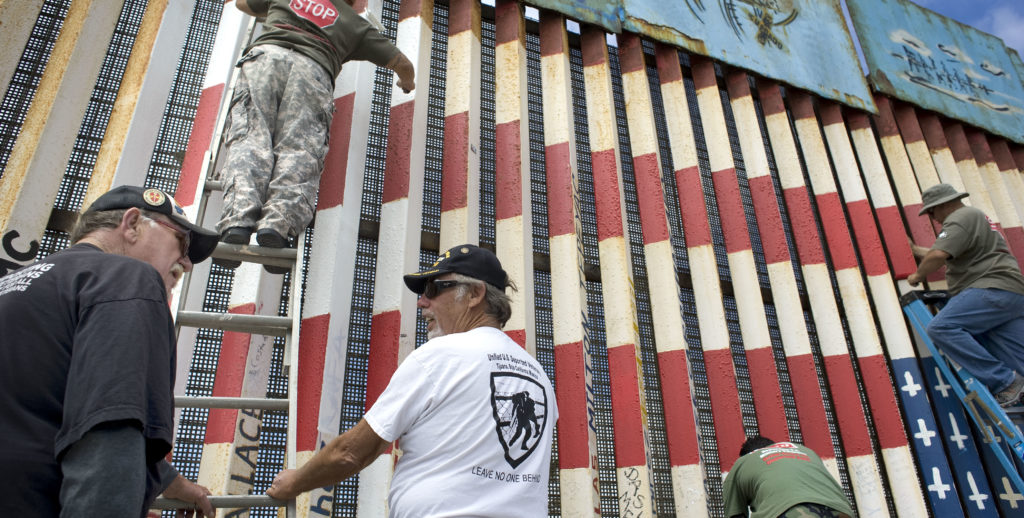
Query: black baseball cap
pixel 469 260
pixel 201 241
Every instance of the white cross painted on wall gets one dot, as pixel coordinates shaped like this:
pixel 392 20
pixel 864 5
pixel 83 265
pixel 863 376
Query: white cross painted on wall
pixel 937 485
pixel 957 437
pixel 942 387
pixel 977 497
pixel 924 433
pixel 1011 496
pixel 912 387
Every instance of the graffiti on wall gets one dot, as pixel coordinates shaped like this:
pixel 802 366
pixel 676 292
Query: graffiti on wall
pixel 939 64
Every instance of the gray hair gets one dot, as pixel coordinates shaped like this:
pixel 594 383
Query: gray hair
pixel 497 303
pixel 90 222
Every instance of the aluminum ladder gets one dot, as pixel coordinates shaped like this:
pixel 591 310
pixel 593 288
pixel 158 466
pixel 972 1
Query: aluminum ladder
pixel 988 417
pixel 287 326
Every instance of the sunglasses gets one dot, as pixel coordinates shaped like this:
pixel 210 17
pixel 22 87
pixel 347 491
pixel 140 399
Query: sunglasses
pixel 183 237
pixel 435 287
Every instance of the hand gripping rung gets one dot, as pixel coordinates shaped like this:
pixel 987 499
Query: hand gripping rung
pixel 255 324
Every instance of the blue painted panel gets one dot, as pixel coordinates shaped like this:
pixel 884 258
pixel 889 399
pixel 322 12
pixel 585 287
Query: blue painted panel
pixel 604 13
pixel 939 64
pixel 972 484
pixel 804 43
pixel 927 442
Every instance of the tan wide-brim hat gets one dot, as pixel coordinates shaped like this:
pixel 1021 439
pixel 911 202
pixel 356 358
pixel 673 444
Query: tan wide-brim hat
pixel 937 195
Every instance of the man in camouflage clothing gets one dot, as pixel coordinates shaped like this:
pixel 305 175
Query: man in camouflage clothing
pixel 281 111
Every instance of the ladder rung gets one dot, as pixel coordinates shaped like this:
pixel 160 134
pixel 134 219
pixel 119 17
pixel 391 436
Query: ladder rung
pixel 255 324
pixel 214 185
pixel 220 502
pixel 257 403
pixel 257 254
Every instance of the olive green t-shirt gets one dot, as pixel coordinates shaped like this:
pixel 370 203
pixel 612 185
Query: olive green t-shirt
pixel 773 479
pixel 328 31
pixel 980 257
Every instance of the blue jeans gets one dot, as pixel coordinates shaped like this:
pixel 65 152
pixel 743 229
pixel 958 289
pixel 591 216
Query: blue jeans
pixel 982 329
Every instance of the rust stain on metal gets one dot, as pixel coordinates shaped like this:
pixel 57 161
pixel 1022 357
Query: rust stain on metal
pixel 666 34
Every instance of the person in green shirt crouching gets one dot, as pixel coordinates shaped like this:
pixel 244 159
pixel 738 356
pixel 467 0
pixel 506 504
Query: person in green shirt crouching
pixel 782 480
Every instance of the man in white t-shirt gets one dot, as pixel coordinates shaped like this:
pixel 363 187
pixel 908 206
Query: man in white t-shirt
pixel 472 411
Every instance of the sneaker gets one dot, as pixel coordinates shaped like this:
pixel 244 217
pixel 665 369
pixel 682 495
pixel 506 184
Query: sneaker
pixel 233 236
pixel 270 238
pixel 1011 396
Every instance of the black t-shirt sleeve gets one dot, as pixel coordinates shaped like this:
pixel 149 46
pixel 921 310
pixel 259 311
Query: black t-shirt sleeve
pixel 122 366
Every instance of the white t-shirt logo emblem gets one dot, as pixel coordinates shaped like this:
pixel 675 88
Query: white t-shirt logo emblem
pixel 520 408
pixel 320 12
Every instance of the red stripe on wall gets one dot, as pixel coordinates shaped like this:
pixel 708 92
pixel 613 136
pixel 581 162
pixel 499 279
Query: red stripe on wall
pixel 1015 238
pixel 809 405
pixel 571 395
pixel 559 180
pixel 846 402
pixel 691 203
pixel 871 251
pixel 840 246
pixel 895 235
pixel 703 70
pixel 409 9
pixel 874 374
pixel 198 143
pixel 552 27
pixel 730 210
pixel 858 121
pixel 332 183
pixel 923 233
pixel 766 208
pixel 606 194
pixel 771 97
pixel 383 360
pixel 805 232
pixel 518 336
pixel 1002 156
pixel 958 142
pixel 461 16
pixel 725 404
pixel 312 354
pixel 885 121
pixel 736 83
pixel 628 420
pixel 932 130
pixel 508 180
pixel 830 112
pixel 683 449
pixel 396 169
pixel 906 119
pixel 667 59
pixel 802 105
pixel 506 17
pixel 227 382
pixel 593 46
pixel 631 55
pixel 650 198
pixel 764 381
pixel 455 161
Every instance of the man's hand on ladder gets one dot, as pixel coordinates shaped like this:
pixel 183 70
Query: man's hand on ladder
pixel 187 491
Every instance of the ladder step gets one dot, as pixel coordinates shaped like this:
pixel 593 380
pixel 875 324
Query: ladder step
pixel 256 254
pixel 221 502
pixel 240 403
pixel 255 324
pixel 213 185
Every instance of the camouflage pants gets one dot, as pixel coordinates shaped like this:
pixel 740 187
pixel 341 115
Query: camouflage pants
pixel 276 132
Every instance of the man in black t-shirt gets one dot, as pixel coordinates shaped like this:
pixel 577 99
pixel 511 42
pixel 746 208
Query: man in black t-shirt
pixel 87 363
